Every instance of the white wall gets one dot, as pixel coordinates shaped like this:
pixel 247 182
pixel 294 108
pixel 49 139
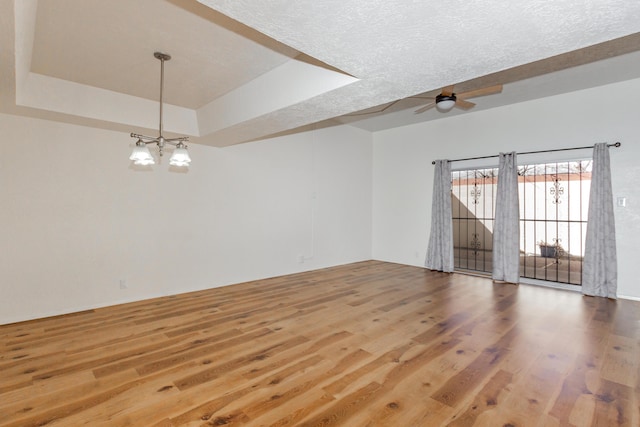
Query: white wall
pixel 76 218
pixel 403 173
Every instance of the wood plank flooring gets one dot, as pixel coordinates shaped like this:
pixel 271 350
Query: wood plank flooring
pixel 366 344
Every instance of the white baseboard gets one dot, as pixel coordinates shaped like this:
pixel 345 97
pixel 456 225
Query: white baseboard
pixel 629 298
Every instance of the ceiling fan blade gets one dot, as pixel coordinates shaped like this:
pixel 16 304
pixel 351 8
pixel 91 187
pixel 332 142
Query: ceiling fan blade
pixel 481 92
pixel 465 105
pixel 447 91
pixel 425 108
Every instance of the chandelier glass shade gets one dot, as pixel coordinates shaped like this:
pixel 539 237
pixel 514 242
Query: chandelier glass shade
pixel 180 156
pixel 141 154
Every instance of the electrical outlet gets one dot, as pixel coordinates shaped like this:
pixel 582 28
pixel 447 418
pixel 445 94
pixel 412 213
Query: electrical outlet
pixel 123 284
pixel 300 259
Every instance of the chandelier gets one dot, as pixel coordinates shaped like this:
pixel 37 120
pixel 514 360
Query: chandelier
pixel 141 154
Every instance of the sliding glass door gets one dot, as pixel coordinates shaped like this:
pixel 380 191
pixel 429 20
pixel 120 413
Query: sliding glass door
pixel 554 200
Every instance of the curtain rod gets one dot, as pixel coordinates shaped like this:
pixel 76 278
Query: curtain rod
pixel 615 144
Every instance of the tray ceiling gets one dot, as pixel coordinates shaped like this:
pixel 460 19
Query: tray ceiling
pixel 244 70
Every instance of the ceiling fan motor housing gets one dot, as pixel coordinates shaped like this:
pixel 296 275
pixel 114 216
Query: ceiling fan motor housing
pixel 442 97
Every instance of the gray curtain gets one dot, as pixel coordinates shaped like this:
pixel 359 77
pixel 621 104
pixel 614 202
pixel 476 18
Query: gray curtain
pixel 600 270
pixel 440 250
pixel 506 228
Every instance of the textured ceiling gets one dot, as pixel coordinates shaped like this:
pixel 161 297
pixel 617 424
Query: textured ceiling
pixel 244 69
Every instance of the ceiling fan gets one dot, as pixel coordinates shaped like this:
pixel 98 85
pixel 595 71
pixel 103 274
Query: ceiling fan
pixel 444 102
pixel 447 99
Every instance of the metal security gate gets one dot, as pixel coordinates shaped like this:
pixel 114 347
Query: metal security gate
pixel 554 200
pixel 473 212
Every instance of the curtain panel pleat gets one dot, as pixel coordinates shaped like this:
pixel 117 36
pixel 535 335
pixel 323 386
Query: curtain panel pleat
pixel 600 270
pixel 506 228
pixel 440 249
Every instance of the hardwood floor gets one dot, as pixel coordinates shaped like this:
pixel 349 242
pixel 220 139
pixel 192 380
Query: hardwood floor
pixel 367 344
